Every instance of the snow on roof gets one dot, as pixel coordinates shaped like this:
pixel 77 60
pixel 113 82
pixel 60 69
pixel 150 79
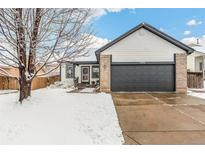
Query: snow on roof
pixel 90 56
pixel 198 47
pixel 196 43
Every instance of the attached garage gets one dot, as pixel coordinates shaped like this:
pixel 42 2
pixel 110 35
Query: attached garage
pixel 143 59
pixel 143 77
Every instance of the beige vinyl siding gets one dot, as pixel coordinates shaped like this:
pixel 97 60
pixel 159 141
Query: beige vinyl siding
pixel 143 46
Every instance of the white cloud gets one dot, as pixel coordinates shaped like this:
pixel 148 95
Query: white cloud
pixel 90 55
pixel 186 32
pixel 132 10
pixel 193 22
pixel 189 40
pixel 161 29
pixel 114 10
pixel 97 13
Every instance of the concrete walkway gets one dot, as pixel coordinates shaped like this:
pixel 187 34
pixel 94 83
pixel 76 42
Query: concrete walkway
pixel 160 118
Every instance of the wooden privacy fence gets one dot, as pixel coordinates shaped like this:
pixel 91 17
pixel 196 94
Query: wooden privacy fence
pixel 42 82
pixel 39 82
pixel 195 80
pixel 8 83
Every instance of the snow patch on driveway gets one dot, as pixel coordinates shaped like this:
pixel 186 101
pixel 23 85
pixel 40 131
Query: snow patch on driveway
pixel 87 90
pixel 197 94
pixel 53 116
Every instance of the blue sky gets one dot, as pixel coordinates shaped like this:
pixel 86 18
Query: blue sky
pixel 179 23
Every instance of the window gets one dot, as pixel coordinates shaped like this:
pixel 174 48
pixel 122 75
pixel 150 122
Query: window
pixel 200 66
pixel 95 72
pixel 69 71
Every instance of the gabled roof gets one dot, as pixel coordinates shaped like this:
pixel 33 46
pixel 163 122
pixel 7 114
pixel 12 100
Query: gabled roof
pixel 150 28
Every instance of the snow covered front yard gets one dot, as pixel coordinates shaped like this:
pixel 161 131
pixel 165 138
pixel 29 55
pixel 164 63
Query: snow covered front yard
pixel 53 116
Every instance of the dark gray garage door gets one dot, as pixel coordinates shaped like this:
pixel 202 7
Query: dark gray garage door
pixel 143 77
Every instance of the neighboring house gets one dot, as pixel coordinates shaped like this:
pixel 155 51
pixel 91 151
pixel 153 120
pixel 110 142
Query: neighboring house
pixel 196 60
pixel 142 59
pixel 8 70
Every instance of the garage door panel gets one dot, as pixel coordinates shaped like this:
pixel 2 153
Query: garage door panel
pixel 143 77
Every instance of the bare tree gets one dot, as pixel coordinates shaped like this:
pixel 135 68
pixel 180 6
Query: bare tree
pixel 30 39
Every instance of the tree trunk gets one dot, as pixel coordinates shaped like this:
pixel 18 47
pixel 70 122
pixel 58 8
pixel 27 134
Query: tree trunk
pixel 29 88
pixel 21 49
pixel 25 90
pixel 25 86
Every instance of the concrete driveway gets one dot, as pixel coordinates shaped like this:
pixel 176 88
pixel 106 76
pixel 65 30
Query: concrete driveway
pixel 160 118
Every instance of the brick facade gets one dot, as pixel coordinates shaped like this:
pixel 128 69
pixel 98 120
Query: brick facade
pixel 105 73
pixel 181 73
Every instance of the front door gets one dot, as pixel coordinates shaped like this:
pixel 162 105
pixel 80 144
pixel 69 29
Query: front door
pixel 85 73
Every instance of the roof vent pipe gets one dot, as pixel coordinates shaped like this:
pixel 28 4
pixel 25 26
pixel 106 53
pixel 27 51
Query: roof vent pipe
pixel 197 41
